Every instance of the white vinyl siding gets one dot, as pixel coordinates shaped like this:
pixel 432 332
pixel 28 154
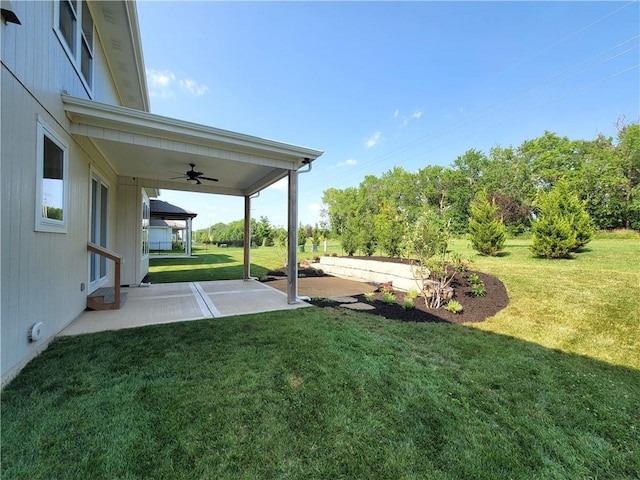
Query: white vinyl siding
pixel 50 268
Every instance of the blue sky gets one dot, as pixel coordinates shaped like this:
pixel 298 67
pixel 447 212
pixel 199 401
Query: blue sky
pixel 380 84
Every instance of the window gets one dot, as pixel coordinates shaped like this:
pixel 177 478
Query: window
pixel 51 182
pixel 74 27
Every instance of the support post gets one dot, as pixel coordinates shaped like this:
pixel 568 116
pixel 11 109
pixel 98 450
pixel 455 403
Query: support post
pixel 292 264
pixel 247 238
pixel 189 235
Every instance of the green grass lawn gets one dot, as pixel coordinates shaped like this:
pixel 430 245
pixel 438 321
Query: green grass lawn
pixel 210 262
pixel 547 389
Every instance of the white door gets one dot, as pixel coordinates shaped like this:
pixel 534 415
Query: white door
pixel 98 267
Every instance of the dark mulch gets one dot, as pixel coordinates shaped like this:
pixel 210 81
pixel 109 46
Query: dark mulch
pixel 476 309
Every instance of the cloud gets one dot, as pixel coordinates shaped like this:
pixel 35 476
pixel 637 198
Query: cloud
pixel 373 140
pixel 160 83
pixel 405 119
pixel 315 207
pixel 193 87
pixel 166 84
pixel 348 163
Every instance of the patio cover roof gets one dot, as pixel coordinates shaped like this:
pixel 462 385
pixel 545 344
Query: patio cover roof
pixel 153 149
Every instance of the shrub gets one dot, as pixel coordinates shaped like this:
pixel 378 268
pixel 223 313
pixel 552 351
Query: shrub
pixel 413 294
pixel 370 296
pixel 478 290
pixel 485 228
pixel 477 285
pixel 407 303
pixel 454 306
pixel 474 279
pixel 388 296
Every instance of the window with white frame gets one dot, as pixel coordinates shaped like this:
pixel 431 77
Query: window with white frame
pixel 74 27
pixel 51 182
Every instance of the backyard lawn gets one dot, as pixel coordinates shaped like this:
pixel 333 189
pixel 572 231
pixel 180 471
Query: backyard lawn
pixel 548 388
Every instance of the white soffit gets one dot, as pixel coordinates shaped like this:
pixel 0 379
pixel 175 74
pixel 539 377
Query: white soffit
pixel 153 149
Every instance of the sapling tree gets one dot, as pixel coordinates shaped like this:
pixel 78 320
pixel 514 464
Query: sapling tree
pixel 425 245
pixel 281 240
pixel 487 231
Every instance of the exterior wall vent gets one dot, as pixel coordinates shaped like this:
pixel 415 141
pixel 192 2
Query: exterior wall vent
pixel 35 332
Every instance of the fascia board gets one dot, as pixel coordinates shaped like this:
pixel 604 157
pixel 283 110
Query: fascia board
pixel 135 121
pixel 134 28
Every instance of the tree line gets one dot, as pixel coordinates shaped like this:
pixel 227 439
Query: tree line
pixel 604 173
pixel 263 233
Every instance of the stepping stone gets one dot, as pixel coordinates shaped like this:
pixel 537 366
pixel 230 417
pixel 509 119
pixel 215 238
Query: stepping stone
pixel 358 306
pixel 344 299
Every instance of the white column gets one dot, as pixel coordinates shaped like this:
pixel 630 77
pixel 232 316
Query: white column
pixel 188 239
pixel 292 244
pixel 247 239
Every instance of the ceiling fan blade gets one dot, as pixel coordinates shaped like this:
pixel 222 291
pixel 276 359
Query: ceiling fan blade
pixel 198 182
pixel 208 178
pixel 176 178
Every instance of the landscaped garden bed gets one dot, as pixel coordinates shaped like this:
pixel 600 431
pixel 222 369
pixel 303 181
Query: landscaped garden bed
pixel 475 308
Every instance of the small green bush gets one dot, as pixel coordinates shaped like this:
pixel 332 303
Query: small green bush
pixel 412 294
pixel 370 296
pixel 474 279
pixel 454 306
pixel 407 303
pixel 388 296
pixel 478 290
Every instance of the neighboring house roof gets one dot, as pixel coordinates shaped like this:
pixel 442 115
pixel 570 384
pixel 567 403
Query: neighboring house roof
pixel 158 222
pixel 166 211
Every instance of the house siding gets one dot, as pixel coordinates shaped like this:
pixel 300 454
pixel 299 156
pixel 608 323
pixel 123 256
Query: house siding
pixel 42 273
pixel 129 236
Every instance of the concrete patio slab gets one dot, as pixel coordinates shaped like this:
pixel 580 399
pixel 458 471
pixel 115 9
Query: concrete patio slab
pixel 181 302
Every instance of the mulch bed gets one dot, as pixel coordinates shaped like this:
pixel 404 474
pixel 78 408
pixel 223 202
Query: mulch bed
pixel 476 309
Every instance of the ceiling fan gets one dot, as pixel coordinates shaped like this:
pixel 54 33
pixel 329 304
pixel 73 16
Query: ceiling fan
pixel 194 177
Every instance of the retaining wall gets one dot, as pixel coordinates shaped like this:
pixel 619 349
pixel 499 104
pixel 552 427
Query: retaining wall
pixel 369 271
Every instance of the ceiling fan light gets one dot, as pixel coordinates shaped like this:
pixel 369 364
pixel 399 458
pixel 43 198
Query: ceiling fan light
pixel 192 180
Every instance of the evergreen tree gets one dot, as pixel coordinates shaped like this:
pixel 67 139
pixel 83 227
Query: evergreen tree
pixel 563 225
pixel 486 229
pixel 552 236
pixel 571 208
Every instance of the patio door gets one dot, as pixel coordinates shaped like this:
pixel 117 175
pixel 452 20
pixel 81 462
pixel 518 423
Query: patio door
pixel 98 267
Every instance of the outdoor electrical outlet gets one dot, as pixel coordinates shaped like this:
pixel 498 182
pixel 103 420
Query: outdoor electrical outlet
pixel 82 286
